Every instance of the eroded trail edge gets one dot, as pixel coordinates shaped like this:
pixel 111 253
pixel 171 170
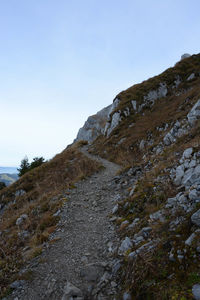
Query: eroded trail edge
pixel 80 265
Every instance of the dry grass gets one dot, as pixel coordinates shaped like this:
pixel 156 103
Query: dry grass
pixel 45 189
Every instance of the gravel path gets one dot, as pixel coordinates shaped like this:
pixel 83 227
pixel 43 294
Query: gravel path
pixel 83 253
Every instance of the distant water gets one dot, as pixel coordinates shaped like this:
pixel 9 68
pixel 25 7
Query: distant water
pixel 10 170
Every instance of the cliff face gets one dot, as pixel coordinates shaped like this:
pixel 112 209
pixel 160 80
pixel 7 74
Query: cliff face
pixel 94 126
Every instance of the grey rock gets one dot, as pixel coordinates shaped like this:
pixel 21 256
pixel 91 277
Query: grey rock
pixel 125 222
pixel 24 234
pixel 142 145
pixel 171 202
pixel 138 239
pixel 92 273
pixel 116 266
pixel 168 139
pixel 187 153
pixel 134 104
pixel 71 292
pixel 195 218
pixel 121 141
pixel 126 112
pixel 177 81
pixel 193 163
pixel 134 223
pixel 156 94
pixel 57 213
pixel 116 118
pixel 115 209
pixel 145 231
pixel 186 55
pixel 17 284
pixel 189 178
pixel 196 291
pixel 179 174
pixel 94 126
pixel 146 247
pixel 125 245
pixel 132 191
pixel 157 216
pixel 126 296
pixel 189 241
pixel 194 195
pixel 21 219
pixel 192 76
pixel 20 193
pixel 194 114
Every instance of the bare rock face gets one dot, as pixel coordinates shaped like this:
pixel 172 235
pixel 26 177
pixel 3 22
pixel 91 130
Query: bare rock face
pixel 94 126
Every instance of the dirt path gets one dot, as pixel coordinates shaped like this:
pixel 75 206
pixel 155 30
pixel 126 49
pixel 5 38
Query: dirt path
pixel 82 256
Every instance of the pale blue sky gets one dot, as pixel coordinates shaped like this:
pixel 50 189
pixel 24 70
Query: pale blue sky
pixel 63 60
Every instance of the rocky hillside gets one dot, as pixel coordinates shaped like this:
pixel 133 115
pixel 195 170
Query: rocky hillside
pixel 154 133
pixel 149 240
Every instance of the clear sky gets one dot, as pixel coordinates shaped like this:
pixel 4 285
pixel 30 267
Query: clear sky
pixel 63 60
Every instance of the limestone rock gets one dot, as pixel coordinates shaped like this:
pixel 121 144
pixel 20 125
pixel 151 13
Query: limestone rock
pixel 17 284
pixel 116 118
pixel 195 218
pixel 187 153
pixel 134 104
pixel 192 76
pixel 125 245
pixel 21 219
pixel 126 296
pixel 94 126
pixel 194 114
pixel 19 193
pixel 196 291
pixel 186 55
pixel 72 292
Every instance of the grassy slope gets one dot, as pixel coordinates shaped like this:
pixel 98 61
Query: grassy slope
pixel 45 189
pixel 154 276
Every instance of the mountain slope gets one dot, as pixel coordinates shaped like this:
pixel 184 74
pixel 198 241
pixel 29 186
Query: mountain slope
pixel 152 130
pixel 8 178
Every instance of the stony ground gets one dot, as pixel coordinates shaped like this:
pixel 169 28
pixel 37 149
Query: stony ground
pixel 80 265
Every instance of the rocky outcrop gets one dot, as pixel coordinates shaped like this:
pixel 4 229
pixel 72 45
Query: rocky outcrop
pixel 94 126
pixel 186 55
